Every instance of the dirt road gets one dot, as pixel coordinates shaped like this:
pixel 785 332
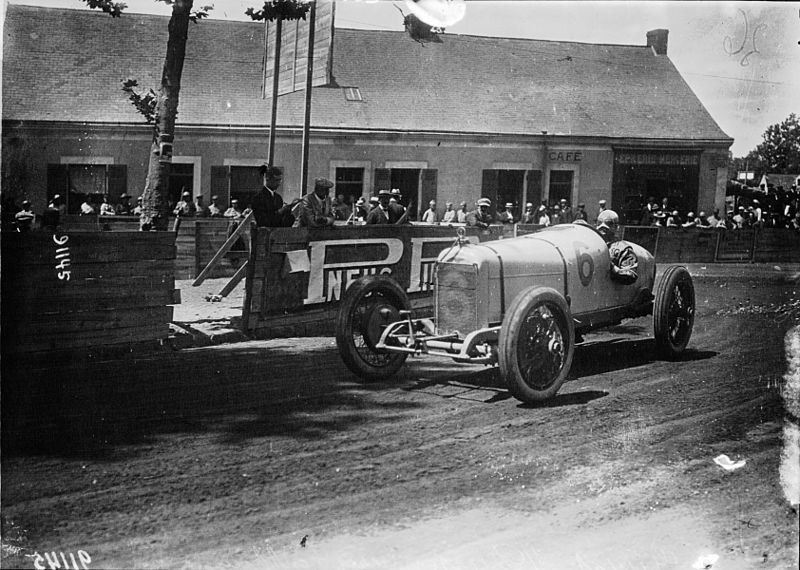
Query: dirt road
pixel 270 455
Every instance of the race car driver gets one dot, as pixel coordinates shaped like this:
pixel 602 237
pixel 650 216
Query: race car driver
pixel 623 260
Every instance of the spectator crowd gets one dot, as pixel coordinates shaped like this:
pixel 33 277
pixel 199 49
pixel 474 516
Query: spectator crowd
pixel 775 208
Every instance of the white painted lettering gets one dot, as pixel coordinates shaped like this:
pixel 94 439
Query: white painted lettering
pixel 318 268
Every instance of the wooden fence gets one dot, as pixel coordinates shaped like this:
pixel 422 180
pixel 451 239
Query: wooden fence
pixel 197 240
pixel 76 290
pixel 708 245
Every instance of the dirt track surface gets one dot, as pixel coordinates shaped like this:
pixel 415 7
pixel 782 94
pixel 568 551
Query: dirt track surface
pixel 229 456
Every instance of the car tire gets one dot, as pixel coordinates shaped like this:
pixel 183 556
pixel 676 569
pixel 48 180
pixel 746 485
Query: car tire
pixel 368 305
pixel 673 312
pixel 536 344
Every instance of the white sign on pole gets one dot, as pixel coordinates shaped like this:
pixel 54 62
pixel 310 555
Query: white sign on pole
pixel 294 52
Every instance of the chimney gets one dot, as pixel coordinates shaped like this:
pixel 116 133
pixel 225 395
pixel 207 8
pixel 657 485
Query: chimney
pixel 657 39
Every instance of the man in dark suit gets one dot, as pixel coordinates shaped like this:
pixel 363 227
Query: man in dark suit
pixel 268 207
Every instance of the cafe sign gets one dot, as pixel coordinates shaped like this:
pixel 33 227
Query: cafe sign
pixel 658 159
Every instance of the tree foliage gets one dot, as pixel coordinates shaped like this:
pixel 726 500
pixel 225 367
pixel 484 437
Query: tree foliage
pixel 283 9
pixel 780 151
pixel 160 106
pixel 145 104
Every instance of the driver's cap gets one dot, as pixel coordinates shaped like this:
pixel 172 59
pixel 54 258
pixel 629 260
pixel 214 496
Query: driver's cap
pixel 608 219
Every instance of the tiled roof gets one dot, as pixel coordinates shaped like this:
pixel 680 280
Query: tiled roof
pixel 67 65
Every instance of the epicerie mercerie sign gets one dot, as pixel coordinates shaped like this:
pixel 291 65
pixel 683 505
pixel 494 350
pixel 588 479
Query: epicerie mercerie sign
pixel 334 259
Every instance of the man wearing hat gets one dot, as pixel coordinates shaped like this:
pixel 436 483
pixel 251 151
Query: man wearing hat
pixel 397 212
pixel 430 216
pixel 507 216
pixel 58 204
pixel 361 210
pixel 461 215
pixel 567 216
pixel 481 218
pixel 581 214
pixel 185 208
pixel 315 209
pixel 235 211
pixel 542 217
pixel 137 209
pixel 529 217
pixel 624 262
pixel 449 214
pixel 25 217
pixel 214 211
pixel 268 207
pixel 601 206
pixel 124 206
pixel 380 213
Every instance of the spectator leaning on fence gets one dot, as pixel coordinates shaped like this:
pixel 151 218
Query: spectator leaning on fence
pixel 269 209
pixel 185 208
pixel 430 216
pixel 25 218
pixel 214 211
pixel 449 214
pixel 542 218
pixel 124 206
pixel 87 209
pixel 315 209
pixel 461 215
pixel 529 217
pixel 235 211
pixel 107 208
pixel 481 217
pixel 567 215
pixel 379 215
pixel 507 216
pixel 674 220
pixel 580 214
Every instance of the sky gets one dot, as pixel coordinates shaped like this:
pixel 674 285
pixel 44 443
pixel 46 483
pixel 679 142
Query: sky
pixel 742 59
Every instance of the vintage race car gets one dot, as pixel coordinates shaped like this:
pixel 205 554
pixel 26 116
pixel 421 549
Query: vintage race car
pixel 519 303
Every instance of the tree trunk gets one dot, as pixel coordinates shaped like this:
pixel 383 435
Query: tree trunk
pixel 155 204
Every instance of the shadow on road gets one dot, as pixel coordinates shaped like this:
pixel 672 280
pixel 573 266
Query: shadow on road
pixel 600 357
pixel 246 390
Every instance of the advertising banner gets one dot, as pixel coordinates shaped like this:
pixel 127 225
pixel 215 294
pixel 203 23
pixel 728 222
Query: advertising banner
pixel 312 268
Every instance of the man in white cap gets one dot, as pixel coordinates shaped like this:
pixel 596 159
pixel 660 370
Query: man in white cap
pixel 430 216
pixel 185 207
pixel 624 262
pixel 601 206
pixel 449 214
pixel 567 216
pixel 315 209
pixel 481 218
pixel 461 215
pixel 507 216
pixel 529 217
pixel 380 214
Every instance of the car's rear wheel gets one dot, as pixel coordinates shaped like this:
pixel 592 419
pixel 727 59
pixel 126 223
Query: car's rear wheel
pixel 536 344
pixel 673 312
pixel 368 306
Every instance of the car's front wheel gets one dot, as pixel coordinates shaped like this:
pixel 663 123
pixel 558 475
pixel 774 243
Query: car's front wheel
pixel 536 344
pixel 673 312
pixel 368 306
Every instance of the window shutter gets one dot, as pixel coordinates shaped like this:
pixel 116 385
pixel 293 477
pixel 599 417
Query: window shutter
pixel 117 181
pixel 490 186
pixel 57 182
pixel 220 186
pixel 534 187
pixel 383 180
pixel 430 177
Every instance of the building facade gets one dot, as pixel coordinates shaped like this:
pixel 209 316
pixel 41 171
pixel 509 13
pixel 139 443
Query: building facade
pixel 514 120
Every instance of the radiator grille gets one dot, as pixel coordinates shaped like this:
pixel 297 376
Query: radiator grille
pixel 456 298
